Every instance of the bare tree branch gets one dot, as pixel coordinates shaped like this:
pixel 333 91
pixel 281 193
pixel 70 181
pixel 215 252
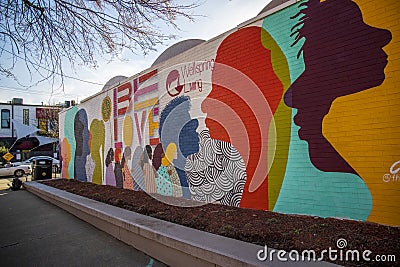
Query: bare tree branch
pixel 47 34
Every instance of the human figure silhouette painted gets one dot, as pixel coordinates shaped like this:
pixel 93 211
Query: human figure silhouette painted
pixel 343 55
pixel 137 169
pixel 148 170
pixel 82 137
pixel 126 172
pixel 65 156
pixel 170 155
pixel 110 175
pixel 157 156
pixel 97 144
pixel 118 168
pixel 176 126
pixel 245 94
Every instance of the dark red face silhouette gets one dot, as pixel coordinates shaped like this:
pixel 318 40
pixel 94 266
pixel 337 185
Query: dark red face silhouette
pixel 342 55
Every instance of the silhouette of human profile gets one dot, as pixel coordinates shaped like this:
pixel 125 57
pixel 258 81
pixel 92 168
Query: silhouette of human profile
pixel 82 136
pixel 342 55
pixel 157 156
pixel 148 170
pixel 245 85
pixel 97 143
pixel 176 126
pixel 110 175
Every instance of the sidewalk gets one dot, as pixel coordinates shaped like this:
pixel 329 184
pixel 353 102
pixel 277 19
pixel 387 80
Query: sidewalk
pixel 5 181
pixel 34 232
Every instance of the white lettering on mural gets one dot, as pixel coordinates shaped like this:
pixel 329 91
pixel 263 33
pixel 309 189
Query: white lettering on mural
pixel 194 68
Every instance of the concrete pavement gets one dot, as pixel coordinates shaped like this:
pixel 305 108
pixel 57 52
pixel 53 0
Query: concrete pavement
pixel 4 181
pixel 34 232
pixel 171 243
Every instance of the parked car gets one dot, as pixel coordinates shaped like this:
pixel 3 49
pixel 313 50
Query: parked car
pixel 17 171
pixel 56 162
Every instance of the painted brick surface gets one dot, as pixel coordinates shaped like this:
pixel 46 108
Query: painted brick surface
pixel 296 113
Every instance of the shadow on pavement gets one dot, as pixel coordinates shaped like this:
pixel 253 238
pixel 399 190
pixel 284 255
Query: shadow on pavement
pixel 34 232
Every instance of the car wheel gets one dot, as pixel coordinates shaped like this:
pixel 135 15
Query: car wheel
pixel 19 173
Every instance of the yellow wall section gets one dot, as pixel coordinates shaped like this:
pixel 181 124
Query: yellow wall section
pixel 128 130
pixel 278 142
pixel 365 127
pixel 153 125
pixel 97 143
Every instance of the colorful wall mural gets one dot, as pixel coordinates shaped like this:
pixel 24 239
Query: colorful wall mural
pixel 294 113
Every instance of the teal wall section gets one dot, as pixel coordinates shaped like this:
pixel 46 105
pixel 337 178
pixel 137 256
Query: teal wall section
pixel 303 189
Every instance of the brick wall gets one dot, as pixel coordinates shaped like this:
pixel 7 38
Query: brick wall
pixel 295 112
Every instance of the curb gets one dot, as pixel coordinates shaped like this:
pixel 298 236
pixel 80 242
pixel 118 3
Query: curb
pixel 173 244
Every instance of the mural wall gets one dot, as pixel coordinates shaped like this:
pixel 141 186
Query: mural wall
pixel 295 113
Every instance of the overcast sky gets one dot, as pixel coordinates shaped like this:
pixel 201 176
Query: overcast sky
pixel 219 16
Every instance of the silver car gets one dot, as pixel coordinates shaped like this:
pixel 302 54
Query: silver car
pixel 13 170
pixel 56 162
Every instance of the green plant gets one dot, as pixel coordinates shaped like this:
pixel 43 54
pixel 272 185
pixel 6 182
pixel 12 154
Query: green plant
pixel 96 195
pixel 390 230
pixel 227 228
pixel 272 220
pixel 248 225
pixel 297 231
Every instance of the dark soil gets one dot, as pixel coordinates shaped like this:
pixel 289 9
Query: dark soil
pixel 276 230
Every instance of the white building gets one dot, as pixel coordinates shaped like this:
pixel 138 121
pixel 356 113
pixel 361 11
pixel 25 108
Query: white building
pixel 41 116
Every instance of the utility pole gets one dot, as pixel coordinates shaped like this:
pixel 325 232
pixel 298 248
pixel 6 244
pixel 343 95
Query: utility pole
pixel 12 122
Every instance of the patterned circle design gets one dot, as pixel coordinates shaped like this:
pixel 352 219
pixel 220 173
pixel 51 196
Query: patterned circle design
pixel 106 108
pixel 216 173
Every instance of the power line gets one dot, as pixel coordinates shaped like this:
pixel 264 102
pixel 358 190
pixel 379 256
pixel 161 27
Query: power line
pixel 8 88
pixel 61 74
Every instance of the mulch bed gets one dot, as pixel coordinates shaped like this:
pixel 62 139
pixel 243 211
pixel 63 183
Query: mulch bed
pixel 276 230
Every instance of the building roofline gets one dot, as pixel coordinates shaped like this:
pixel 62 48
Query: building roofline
pixel 239 26
pixel 30 105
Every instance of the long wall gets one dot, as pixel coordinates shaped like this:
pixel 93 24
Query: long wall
pixel 295 111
